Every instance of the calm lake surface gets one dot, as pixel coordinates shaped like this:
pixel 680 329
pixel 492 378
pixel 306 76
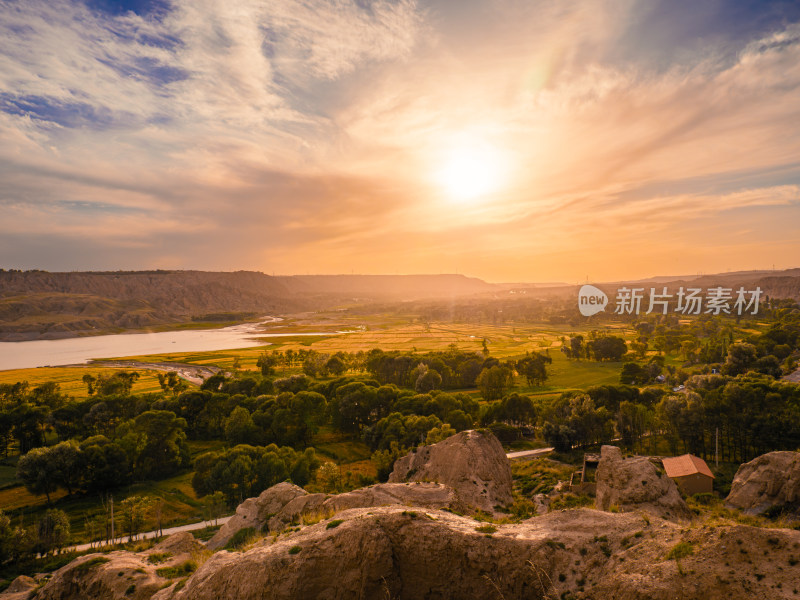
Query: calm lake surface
pixel 42 353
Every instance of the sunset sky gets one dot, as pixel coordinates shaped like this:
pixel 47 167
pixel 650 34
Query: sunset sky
pixel 512 140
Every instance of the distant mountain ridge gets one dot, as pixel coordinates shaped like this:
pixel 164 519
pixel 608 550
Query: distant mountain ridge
pixel 44 305
pixel 405 287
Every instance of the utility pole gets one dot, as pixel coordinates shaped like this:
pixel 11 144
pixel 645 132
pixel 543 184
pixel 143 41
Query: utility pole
pixel 112 520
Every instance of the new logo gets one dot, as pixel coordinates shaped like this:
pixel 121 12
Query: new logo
pixel 591 300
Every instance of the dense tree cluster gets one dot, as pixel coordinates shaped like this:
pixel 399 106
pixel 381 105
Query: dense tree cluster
pixel 748 414
pixel 245 471
pixel 600 346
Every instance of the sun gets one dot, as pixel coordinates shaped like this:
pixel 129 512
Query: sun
pixel 471 172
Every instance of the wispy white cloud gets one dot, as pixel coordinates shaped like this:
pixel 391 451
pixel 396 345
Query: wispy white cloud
pixel 316 125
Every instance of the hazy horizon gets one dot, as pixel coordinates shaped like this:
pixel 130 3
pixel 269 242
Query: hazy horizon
pixel 507 140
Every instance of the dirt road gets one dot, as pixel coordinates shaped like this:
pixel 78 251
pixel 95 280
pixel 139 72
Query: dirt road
pixel 152 534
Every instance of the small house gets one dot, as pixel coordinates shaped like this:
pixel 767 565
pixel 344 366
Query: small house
pixel 690 473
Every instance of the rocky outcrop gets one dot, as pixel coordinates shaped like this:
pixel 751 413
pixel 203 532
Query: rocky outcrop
pixel 120 575
pixel 637 483
pixel 404 554
pixel 409 553
pixel 286 504
pixel 20 589
pixel 771 480
pixel 473 463
pixel 313 507
pixel 255 512
pixel 465 472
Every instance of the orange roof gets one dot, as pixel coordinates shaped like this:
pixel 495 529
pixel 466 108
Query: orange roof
pixel 688 464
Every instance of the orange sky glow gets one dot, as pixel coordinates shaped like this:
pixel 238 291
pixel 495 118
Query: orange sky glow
pixel 509 140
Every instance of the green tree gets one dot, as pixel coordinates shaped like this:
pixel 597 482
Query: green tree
pixel 740 358
pixel 633 373
pixel 38 472
pixel 607 347
pixel 90 381
pixel 213 506
pixel 517 410
pixel 267 363
pixel 69 464
pixel 576 348
pixel 533 367
pixel 240 428
pixel 133 512
pixel 120 383
pixel 155 442
pixel 437 434
pixel 384 459
pixel 494 382
pixel 29 423
pixel 53 531
pixel 245 471
pixel 106 465
pixel 428 381
pixel 17 544
pixel 329 476
pixel 335 365
pixel 170 382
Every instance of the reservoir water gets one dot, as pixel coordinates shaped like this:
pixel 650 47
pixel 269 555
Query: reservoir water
pixel 42 353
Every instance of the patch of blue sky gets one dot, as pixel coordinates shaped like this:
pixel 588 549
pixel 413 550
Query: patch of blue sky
pixel 150 69
pixel 164 41
pixel 121 7
pixel 72 115
pixel 719 183
pixel 662 31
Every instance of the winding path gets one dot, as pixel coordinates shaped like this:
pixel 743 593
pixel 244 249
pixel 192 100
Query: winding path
pixel 150 534
pixel 528 453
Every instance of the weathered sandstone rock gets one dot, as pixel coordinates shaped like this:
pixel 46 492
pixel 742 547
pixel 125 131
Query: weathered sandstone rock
pixel 771 480
pixel 637 483
pixel 473 463
pixel 255 512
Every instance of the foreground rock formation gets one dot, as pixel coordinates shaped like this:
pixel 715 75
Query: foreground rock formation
pixel 412 554
pixel 286 504
pixel 406 541
pixel 395 552
pixel 771 480
pixel 473 463
pixel 118 575
pixel 637 483
pixel 465 472
pixel 20 588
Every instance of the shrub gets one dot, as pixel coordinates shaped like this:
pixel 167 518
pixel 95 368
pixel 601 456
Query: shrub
pixel 206 533
pixel 294 549
pixel 92 563
pixel 486 528
pixel 334 523
pixel 568 501
pixel 181 570
pixel 240 538
pixel 680 550
pixel 158 557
